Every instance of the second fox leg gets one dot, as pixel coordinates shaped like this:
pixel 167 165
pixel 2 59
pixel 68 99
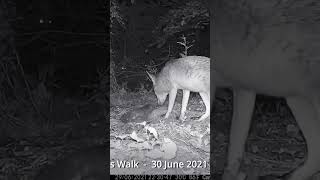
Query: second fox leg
pixel 307 115
pixel 206 100
pixel 185 98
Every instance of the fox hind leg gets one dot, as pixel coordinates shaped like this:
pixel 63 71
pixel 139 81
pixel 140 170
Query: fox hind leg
pixel 206 100
pixel 307 115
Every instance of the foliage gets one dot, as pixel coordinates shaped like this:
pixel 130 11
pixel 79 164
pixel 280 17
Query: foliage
pixel 192 15
pixel 117 23
pixel 116 18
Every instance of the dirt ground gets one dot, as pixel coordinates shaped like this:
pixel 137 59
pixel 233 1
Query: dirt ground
pixel 162 146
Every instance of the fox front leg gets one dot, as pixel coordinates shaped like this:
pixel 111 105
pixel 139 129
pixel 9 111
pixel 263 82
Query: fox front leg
pixel 172 98
pixel 243 105
pixel 185 98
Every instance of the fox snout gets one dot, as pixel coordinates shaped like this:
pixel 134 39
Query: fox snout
pixel 161 98
pixel 160 102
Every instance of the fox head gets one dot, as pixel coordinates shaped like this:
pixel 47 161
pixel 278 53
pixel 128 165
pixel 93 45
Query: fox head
pixel 158 89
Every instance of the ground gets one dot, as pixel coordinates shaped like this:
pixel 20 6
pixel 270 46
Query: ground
pixel 186 142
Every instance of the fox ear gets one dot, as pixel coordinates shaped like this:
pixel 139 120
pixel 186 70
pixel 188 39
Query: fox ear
pixel 152 77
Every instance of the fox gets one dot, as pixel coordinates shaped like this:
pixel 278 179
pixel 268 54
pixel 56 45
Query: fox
pixel 189 74
pixel 263 66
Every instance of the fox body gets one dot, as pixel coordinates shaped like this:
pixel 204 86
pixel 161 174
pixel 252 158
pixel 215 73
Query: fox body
pixel 191 73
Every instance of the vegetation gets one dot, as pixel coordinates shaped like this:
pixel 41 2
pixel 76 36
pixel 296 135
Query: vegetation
pixel 146 34
pixel 50 91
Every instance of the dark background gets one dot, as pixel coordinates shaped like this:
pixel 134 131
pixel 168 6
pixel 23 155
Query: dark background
pixel 66 37
pixel 53 82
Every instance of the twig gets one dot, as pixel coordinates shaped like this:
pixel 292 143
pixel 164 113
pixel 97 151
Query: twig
pixel 28 88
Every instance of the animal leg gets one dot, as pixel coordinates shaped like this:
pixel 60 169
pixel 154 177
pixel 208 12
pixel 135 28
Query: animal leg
pixel 206 100
pixel 308 118
pixel 185 98
pixel 243 106
pixel 172 98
